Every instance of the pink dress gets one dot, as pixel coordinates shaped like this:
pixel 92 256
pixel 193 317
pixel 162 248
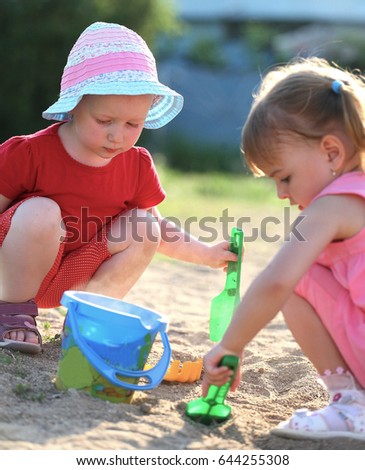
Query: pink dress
pixel 335 284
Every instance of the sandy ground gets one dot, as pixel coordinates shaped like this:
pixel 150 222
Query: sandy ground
pixel 277 379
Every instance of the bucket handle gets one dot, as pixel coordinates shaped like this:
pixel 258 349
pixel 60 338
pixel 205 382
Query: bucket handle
pixel 154 375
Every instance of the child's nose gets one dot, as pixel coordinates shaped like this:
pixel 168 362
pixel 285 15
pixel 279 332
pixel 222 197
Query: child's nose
pixel 282 193
pixel 116 136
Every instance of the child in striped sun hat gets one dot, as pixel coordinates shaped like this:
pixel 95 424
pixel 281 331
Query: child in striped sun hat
pixel 78 200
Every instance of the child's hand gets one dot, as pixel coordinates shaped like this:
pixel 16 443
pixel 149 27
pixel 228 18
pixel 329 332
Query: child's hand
pixel 215 374
pixel 219 255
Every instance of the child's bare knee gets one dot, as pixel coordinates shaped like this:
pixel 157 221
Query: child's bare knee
pixel 137 228
pixel 145 229
pixel 40 216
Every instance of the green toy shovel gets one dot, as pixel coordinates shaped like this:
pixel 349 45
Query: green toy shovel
pixel 212 409
pixel 223 306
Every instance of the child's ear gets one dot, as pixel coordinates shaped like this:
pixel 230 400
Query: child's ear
pixel 334 150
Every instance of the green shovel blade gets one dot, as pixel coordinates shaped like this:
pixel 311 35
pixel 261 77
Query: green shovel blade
pixel 212 408
pixel 223 306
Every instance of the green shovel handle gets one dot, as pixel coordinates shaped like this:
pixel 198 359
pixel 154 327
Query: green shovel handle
pixel 233 278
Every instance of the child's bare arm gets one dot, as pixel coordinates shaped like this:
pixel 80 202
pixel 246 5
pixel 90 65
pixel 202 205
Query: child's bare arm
pixel 178 244
pixel 327 219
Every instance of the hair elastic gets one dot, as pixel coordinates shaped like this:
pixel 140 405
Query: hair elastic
pixel 336 86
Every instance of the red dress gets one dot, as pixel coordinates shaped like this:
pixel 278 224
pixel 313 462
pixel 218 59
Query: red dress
pixel 89 197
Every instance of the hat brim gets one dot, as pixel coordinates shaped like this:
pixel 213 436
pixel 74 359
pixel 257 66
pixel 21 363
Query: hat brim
pixel 162 111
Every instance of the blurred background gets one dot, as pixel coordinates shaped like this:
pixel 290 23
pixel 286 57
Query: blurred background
pixel 211 51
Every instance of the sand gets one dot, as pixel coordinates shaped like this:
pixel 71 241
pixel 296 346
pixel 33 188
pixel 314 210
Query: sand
pixel 277 379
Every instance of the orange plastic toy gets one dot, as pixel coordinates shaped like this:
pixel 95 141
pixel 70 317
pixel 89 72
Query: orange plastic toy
pixel 184 372
pixel 189 371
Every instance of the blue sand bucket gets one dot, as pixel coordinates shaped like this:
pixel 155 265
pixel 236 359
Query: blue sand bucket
pixel 105 346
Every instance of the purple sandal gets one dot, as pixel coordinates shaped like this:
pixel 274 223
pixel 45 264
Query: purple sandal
pixel 17 317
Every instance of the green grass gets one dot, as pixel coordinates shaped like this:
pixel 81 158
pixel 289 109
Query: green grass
pixel 208 194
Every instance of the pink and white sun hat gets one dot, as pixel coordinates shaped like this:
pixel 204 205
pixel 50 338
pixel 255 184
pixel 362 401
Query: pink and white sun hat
pixel 110 59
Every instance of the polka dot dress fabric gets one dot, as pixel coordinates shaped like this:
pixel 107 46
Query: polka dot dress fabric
pixel 70 271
